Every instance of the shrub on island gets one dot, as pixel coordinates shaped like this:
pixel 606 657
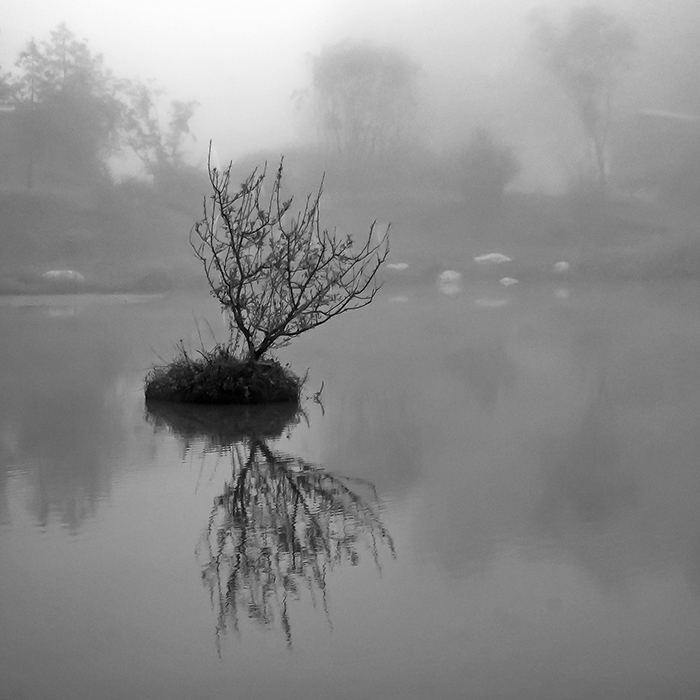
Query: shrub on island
pixel 218 376
pixel 275 276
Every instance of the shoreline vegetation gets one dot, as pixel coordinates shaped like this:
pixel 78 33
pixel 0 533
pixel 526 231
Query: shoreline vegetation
pixel 618 239
pixel 30 282
pixel 626 239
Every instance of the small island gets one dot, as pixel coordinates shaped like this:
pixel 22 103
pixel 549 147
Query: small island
pixel 276 275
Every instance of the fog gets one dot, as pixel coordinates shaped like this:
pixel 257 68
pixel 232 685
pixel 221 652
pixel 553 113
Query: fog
pixel 504 443
pixel 242 62
pixel 249 69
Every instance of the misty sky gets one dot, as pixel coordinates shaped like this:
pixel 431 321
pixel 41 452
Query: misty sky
pixel 242 61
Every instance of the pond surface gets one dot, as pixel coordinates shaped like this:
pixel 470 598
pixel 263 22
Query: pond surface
pixel 499 497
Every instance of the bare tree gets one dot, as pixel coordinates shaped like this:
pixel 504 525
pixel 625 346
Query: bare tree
pixel 275 274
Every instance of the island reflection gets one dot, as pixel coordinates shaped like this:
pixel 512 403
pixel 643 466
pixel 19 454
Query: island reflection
pixel 280 524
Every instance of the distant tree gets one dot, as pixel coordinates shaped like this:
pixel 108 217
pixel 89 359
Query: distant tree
pixel 160 144
pixel 160 149
pixel 275 274
pixel 365 96
pixel 5 87
pixel 487 169
pixel 587 56
pixel 71 111
pixel 66 100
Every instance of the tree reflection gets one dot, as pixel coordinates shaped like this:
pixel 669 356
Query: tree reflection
pixel 485 371
pixel 62 417
pixel 585 479
pixel 280 524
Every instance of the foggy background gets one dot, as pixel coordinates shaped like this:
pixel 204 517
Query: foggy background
pixel 245 70
pixel 243 61
pixel 533 422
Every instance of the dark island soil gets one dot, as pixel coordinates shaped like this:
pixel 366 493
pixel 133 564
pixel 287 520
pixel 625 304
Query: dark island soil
pixel 219 377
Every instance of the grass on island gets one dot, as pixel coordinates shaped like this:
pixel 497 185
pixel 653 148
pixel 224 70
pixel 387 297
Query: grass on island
pixel 218 376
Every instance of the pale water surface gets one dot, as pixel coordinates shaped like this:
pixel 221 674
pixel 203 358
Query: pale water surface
pixel 499 499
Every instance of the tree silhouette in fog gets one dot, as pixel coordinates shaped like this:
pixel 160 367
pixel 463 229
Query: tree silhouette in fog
pixel 67 111
pixel 161 147
pixel 280 524
pixel 487 169
pixel 61 404
pixel 66 103
pixel 365 96
pixel 587 56
pixel 278 275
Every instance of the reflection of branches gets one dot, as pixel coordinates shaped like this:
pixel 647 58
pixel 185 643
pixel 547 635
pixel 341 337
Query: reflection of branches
pixel 280 524
pixel 277 528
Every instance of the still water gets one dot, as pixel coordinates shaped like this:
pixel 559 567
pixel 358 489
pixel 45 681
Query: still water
pixel 497 497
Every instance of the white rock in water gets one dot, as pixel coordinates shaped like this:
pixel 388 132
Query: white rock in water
pixel 397 266
pixel 70 275
pixel 450 276
pixel 561 266
pixel 450 288
pixel 507 281
pixel 492 258
pixel 449 282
